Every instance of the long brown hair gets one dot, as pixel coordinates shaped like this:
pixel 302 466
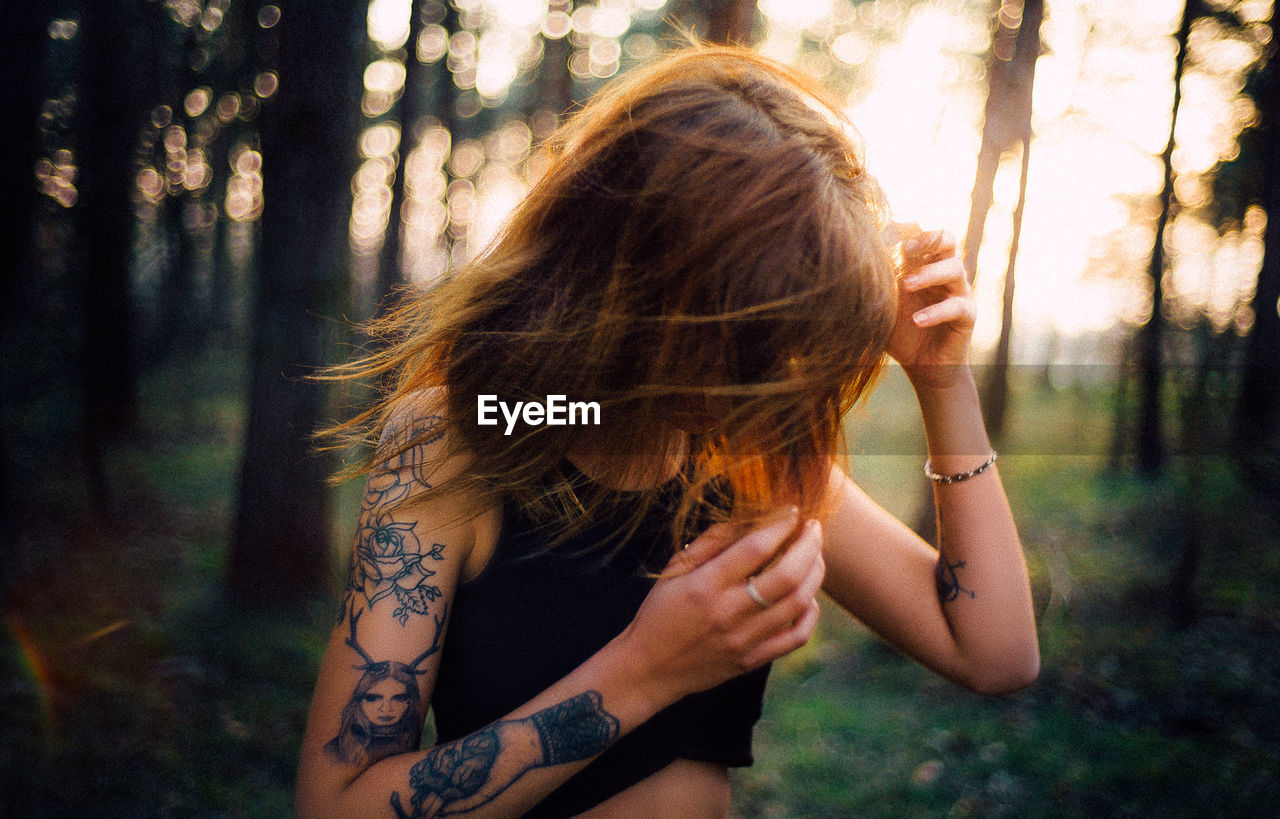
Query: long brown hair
pixel 705 241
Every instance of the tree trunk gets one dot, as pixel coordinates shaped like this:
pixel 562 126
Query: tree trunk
pixel 1010 75
pixel 454 235
pixel 279 553
pixel 995 391
pixel 112 110
pixel 410 110
pixel 182 328
pixel 22 60
pixel 1121 421
pixel 1150 436
pixel 1256 430
pixel 555 82
pixel 1213 349
pixel 235 69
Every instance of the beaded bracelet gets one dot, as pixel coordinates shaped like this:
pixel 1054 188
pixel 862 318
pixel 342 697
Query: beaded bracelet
pixel 958 476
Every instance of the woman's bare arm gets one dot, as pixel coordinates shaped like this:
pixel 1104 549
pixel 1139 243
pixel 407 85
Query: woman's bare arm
pixel 963 609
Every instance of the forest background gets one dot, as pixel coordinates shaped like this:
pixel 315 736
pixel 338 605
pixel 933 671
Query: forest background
pixel 203 197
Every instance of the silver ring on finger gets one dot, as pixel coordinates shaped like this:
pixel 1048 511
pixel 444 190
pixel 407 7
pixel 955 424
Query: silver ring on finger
pixel 755 594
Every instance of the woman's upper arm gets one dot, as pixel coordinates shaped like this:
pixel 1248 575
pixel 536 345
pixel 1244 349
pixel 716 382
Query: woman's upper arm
pixel 883 573
pixel 382 656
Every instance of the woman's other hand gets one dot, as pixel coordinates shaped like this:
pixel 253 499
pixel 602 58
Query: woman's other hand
pixel 936 309
pixel 701 625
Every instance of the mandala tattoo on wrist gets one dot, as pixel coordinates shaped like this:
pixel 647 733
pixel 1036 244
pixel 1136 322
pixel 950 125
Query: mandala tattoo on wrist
pixel 575 729
pixel 467 770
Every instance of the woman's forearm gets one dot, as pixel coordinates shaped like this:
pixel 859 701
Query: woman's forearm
pixel 981 572
pixel 507 766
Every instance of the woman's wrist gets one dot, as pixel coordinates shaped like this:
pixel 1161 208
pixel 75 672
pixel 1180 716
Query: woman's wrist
pixel 940 378
pixel 952 414
pixel 649 690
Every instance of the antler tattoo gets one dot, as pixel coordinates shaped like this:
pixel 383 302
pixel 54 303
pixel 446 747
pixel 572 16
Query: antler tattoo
pixel 371 664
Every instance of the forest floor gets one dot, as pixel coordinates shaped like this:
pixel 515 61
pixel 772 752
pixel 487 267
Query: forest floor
pixel 129 686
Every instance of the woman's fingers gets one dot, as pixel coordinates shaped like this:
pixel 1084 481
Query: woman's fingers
pixel 705 547
pixel 752 551
pixel 957 309
pixel 789 586
pixel 928 246
pixel 701 626
pixel 783 642
pixel 792 568
pixel 948 273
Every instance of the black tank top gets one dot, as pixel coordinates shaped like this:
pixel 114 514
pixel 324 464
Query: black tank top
pixel 532 616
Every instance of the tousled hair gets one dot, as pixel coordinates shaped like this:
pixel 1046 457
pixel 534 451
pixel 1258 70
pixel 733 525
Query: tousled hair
pixel 705 243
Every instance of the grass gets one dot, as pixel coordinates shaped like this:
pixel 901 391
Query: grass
pixel 130 687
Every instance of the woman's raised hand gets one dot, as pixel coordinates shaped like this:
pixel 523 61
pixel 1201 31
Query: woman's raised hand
pixel 935 308
pixel 728 604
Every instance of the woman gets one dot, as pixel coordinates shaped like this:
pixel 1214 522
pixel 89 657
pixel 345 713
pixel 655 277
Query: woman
pixel 707 266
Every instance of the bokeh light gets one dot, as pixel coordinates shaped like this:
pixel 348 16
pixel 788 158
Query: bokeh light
pixel 913 75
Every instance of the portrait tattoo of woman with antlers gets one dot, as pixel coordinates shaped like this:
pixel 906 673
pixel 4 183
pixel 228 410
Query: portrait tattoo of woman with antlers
pixel 385 712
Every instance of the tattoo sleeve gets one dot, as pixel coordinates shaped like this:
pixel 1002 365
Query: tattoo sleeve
pixel 389 559
pixel 478 768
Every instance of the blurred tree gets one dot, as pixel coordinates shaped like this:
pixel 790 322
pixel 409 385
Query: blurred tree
pixel 23 41
pixel 115 59
pixel 234 68
pixel 555 81
pixel 409 110
pixel 1257 420
pixel 716 21
pixel 1018 70
pixel 1007 114
pixel 181 323
pixel 731 21
pixel 1150 435
pixel 279 551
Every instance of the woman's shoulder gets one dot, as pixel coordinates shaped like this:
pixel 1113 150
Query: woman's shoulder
pixel 417 436
pixel 421 446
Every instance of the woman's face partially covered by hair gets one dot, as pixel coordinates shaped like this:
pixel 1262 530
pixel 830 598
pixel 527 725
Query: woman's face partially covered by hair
pixel 703 255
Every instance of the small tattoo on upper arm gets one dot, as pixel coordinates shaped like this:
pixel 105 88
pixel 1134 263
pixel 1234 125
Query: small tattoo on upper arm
pixel 944 575
pixel 385 712
pixel 944 571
